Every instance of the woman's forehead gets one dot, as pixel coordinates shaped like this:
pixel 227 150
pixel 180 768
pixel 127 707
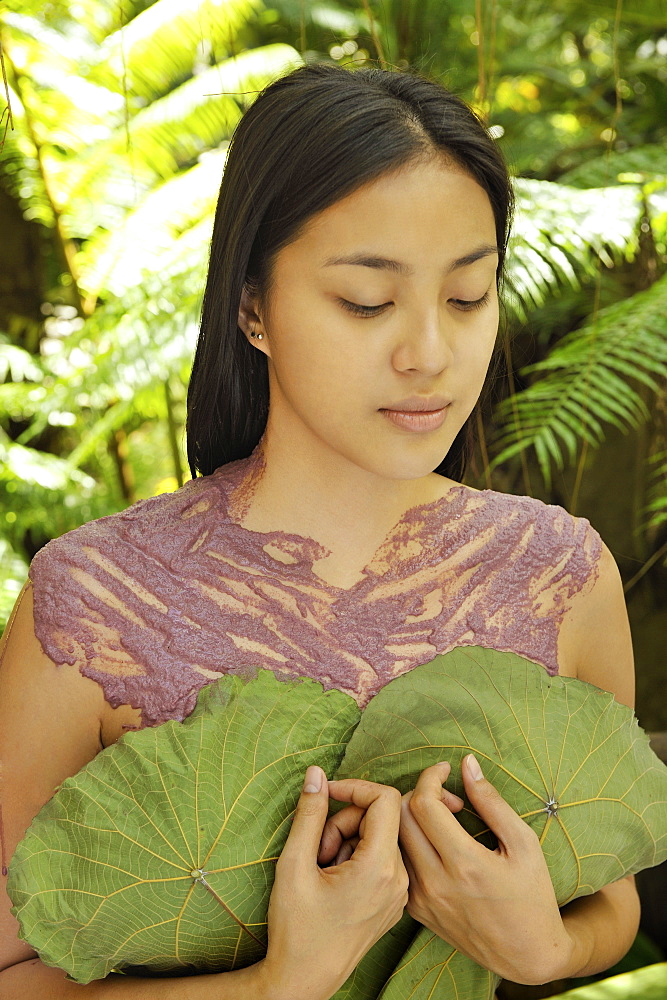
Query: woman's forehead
pixel 398 215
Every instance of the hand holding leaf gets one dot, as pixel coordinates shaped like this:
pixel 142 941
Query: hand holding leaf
pixel 321 922
pixel 159 856
pixel 344 829
pixel 498 907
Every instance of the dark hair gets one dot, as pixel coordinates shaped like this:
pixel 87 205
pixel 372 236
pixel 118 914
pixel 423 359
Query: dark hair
pixel 309 139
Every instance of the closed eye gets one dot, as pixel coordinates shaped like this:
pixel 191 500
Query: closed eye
pixel 468 305
pixel 359 310
pixel 463 305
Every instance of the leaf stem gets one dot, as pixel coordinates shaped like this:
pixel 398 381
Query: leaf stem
pixel 227 909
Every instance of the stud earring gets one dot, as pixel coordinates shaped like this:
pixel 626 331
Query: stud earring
pixel 258 335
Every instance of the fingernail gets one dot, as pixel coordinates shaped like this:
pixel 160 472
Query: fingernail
pixel 474 768
pixel 313 781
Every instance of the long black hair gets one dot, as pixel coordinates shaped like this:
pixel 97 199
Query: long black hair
pixel 309 139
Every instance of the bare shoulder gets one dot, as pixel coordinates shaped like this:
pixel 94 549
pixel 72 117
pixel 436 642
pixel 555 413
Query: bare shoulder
pixel 50 719
pixel 595 641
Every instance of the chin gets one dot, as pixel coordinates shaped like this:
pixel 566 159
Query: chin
pixel 401 464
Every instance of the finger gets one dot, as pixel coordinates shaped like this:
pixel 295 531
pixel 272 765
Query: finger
pixel 453 802
pixel 382 805
pixel 303 841
pixel 502 820
pixel 416 847
pixel 346 850
pixel 433 816
pixel 412 874
pixel 339 827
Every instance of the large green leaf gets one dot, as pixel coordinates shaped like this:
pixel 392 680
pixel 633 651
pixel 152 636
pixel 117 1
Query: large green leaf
pixel 649 983
pixel 109 874
pixel 569 758
pixel 161 852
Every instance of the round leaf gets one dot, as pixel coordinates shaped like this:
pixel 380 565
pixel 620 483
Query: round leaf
pixel 159 855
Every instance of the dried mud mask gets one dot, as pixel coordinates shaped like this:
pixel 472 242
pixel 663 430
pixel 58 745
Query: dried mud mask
pixel 155 602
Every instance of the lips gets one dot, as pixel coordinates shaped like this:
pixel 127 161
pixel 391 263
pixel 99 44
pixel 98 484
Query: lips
pixel 419 404
pixel 416 420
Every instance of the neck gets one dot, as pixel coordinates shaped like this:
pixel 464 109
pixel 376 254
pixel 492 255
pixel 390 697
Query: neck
pixel 316 493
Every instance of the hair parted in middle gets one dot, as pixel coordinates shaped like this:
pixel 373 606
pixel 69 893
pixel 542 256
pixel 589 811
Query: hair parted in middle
pixel 309 139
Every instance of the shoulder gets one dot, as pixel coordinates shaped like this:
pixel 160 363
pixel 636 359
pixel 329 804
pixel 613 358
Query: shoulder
pixel 594 641
pixel 596 634
pixel 93 585
pixel 151 522
pixel 546 533
pixel 50 721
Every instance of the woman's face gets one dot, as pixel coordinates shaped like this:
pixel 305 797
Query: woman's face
pixel 415 315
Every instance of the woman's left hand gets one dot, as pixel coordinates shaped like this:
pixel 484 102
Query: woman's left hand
pixel 497 907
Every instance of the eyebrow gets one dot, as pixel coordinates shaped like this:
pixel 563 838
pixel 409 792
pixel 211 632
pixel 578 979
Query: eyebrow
pixel 397 267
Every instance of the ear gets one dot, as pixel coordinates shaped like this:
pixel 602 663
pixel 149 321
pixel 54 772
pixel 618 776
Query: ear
pixel 250 321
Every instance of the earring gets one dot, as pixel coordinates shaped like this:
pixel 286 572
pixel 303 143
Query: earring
pixel 258 335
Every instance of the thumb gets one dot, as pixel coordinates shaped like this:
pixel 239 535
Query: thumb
pixel 489 804
pixel 303 842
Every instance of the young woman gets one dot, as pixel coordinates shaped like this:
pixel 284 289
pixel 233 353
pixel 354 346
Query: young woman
pixel 348 327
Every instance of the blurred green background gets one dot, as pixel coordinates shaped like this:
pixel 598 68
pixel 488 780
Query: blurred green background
pixel 117 116
pixel 117 120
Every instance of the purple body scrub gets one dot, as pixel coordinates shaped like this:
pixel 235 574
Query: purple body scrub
pixel 158 600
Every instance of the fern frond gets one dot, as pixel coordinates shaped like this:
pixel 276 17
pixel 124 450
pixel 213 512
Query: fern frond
pixel 159 48
pixel 561 234
pixel 167 136
pixel 112 260
pixel 656 508
pixel 13 574
pixel 17 364
pixel 586 382
pixel 20 169
pixel 646 162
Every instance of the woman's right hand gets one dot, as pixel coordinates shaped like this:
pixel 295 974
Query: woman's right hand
pixel 322 921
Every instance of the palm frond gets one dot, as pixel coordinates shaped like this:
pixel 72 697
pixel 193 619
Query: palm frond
pixel 586 382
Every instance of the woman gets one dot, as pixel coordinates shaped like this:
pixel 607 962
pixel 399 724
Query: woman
pixel 356 258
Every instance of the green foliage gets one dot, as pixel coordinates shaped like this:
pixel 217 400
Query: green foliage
pixel 649 983
pixel 590 377
pixel 643 163
pixel 213 794
pixel 159 854
pixel 562 235
pixel 13 571
pixel 656 508
pixel 157 50
pixel 131 173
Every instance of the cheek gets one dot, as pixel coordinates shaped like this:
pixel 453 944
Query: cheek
pixel 314 365
pixel 480 340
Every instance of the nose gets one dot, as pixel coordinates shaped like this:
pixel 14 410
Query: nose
pixel 424 345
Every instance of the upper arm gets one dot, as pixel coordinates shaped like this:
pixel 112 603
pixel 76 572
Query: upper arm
pixel 598 639
pixel 595 634
pixel 50 719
